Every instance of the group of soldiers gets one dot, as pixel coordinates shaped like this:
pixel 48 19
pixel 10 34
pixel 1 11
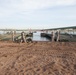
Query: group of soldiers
pixel 55 37
pixel 23 38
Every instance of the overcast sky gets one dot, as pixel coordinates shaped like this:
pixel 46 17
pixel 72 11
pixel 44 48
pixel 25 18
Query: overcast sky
pixel 26 14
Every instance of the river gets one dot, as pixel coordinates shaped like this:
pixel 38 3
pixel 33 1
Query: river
pixel 37 37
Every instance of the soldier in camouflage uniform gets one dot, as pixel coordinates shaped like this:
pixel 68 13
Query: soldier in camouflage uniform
pixel 23 37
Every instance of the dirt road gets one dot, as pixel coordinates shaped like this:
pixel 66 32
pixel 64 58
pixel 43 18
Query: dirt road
pixel 38 58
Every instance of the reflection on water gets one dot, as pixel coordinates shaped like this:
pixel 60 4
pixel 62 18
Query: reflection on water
pixel 37 37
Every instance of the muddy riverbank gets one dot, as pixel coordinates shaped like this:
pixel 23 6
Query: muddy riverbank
pixel 38 58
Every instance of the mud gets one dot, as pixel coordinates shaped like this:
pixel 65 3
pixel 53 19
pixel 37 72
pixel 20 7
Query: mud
pixel 38 58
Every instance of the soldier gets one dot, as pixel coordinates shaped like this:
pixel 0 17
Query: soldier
pixel 13 36
pixel 23 37
pixel 58 36
pixel 53 36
